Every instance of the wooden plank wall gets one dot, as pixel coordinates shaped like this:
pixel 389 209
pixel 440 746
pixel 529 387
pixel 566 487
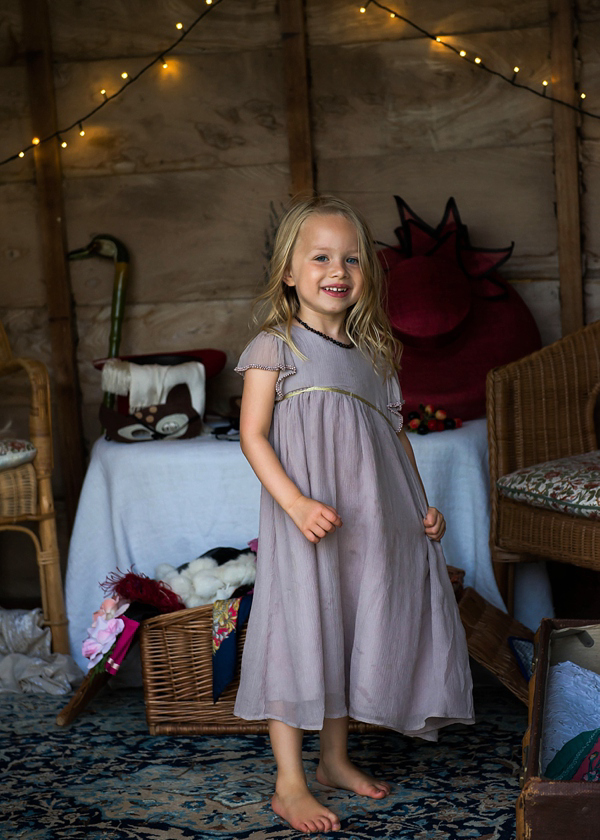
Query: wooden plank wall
pixel 183 169
pixel 588 48
pixel 409 117
pixel 185 166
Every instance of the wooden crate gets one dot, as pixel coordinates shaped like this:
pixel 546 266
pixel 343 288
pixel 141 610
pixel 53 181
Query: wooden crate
pixel 549 809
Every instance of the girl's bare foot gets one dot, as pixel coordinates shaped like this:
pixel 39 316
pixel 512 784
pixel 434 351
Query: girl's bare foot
pixel 297 806
pixel 344 774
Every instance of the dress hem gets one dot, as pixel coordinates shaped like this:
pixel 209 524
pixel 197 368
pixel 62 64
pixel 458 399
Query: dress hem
pixel 445 720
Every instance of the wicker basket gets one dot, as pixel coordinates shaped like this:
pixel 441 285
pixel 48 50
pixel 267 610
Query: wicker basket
pixel 487 629
pixel 177 666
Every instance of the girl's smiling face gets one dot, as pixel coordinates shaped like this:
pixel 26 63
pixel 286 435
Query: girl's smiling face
pixel 324 267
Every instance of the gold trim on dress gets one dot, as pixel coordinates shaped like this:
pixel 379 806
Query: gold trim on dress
pixel 337 391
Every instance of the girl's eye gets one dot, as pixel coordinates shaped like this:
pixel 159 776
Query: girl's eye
pixel 321 257
pixel 353 260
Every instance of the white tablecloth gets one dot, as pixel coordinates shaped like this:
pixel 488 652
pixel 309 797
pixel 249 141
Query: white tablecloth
pixel 169 501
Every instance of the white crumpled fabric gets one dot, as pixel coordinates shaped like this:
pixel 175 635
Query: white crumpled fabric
pixel 26 662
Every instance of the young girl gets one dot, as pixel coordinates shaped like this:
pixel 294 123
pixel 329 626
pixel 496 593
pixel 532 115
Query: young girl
pixel 353 612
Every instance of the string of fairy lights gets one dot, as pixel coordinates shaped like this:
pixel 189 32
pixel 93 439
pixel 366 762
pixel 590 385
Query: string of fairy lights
pixel 161 58
pixel 478 61
pixel 128 80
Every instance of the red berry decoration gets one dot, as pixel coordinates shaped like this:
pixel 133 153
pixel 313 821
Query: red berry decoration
pixel 429 419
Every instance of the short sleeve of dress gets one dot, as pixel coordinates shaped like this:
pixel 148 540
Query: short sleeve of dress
pixel 395 402
pixel 268 352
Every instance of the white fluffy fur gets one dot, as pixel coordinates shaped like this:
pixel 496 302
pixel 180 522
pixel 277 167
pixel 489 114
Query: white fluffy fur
pixel 201 564
pixel 181 586
pixel 204 581
pixel 164 570
pixel 206 586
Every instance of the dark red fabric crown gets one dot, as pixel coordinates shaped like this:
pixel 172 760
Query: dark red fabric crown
pixel 455 315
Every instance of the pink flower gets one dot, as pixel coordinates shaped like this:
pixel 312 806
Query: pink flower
pixel 91 648
pixel 107 631
pixel 105 628
pixel 110 608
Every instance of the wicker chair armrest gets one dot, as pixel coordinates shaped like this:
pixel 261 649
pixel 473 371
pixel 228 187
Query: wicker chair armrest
pixel 40 424
pixel 541 407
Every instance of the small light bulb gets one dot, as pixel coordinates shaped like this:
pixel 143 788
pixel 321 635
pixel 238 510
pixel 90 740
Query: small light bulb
pixel 477 60
pixel 64 144
pixel 36 141
pixel 81 133
pixel 21 154
pixel 209 2
pixel 165 65
pixel 545 83
pixel 124 75
pixel 179 26
pixel 438 39
pixel 515 69
pixel 582 95
pixel 103 92
pixel 462 53
pixel 392 15
pixel 362 10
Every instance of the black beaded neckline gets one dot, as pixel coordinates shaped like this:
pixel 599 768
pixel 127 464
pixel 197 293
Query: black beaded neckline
pixel 326 337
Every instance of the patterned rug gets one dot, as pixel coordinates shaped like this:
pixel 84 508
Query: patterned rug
pixel 106 778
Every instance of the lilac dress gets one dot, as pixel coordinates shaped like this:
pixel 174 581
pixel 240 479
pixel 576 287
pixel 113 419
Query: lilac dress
pixel 365 623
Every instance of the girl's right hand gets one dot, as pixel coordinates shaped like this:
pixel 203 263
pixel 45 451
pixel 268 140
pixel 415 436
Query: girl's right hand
pixel 314 518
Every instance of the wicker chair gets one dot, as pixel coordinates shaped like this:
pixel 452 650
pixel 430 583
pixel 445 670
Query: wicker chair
pixel 26 493
pixel 541 408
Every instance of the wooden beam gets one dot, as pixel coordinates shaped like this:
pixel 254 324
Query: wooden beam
pixel 566 166
pixel 296 75
pixel 68 425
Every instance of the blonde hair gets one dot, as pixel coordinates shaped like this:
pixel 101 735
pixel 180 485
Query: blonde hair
pixel 367 324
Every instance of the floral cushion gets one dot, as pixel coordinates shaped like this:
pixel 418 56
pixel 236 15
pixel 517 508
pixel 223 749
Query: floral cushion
pixel 569 485
pixel 13 453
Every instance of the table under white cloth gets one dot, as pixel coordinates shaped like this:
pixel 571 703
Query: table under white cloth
pixel 170 501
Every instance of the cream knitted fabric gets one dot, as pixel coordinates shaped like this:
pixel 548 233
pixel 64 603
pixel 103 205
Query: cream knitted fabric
pixel 150 384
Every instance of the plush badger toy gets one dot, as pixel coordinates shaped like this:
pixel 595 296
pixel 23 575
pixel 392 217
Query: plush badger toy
pixel 214 576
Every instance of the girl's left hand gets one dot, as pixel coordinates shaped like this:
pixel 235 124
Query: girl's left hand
pixel 435 524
